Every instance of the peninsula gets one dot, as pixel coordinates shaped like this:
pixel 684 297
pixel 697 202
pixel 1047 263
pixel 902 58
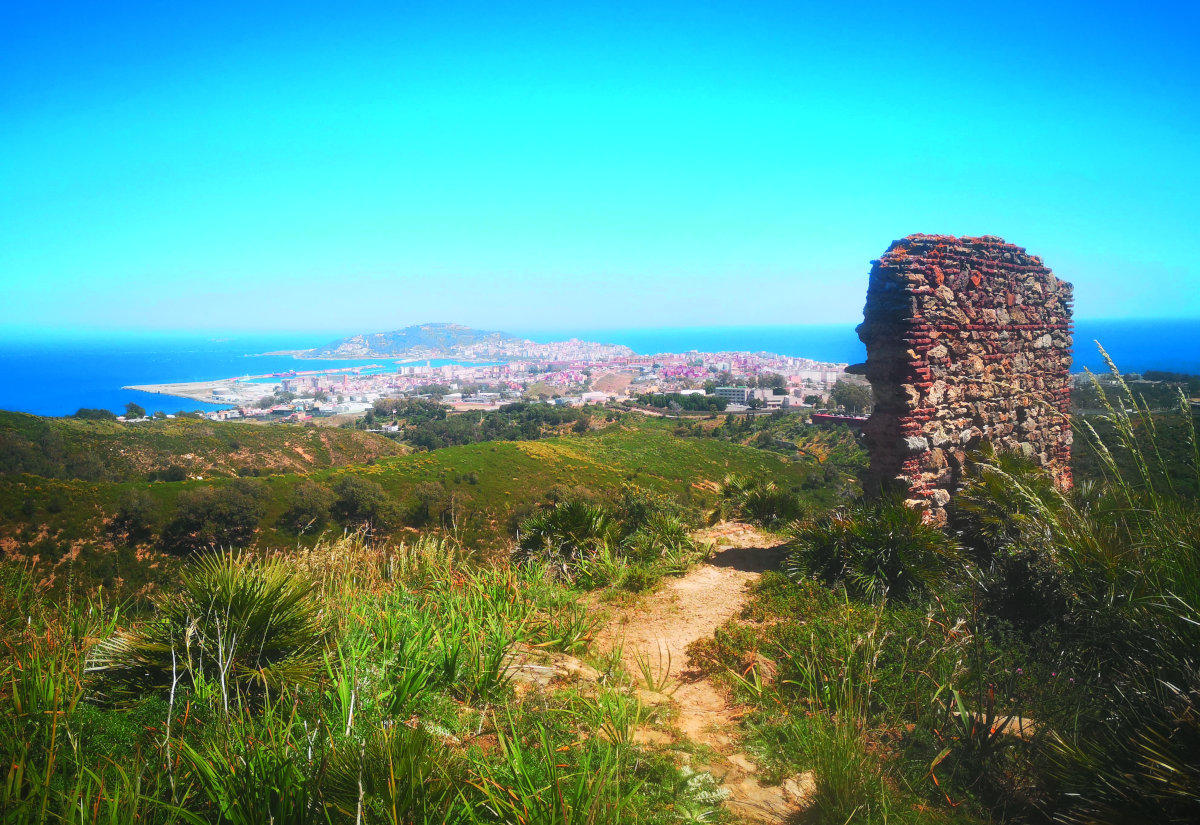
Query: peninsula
pixel 454 341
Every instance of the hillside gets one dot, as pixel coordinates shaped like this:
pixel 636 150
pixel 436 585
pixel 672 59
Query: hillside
pixel 69 448
pixel 478 490
pixel 418 341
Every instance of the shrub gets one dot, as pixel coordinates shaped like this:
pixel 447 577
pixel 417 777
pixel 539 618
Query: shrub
pixel 430 503
pixel 172 473
pixel 1122 616
pixel 239 626
pixel 93 414
pixel 137 516
pixel 566 533
pixel 225 516
pixel 309 508
pixel 880 549
pixel 1000 518
pixel 757 501
pixel 363 504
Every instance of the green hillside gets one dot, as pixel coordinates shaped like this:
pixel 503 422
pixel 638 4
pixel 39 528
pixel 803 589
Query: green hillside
pixel 477 489
pixel 112 451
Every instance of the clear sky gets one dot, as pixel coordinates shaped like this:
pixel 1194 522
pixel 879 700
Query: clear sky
pixel 342 166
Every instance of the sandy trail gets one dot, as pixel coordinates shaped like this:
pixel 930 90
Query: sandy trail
pixel 659 631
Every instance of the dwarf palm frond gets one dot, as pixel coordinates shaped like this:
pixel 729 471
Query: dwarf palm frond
pixel 239 624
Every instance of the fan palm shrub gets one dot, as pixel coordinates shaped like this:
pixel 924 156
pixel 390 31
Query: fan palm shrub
pixel 876 549
pixel 1004 517
pixel 239 625
pixel 754 500
pixel 397 775
pixel 566 533
pixel 1109 577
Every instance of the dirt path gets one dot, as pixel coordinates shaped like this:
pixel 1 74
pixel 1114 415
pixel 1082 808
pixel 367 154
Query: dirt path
pixel 658 632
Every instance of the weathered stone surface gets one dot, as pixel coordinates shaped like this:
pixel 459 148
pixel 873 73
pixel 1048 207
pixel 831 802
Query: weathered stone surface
pixel 968 339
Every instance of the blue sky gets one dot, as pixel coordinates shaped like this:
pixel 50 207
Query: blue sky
pixel 364 166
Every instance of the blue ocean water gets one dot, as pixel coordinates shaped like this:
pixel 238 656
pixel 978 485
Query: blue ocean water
pixel 56 376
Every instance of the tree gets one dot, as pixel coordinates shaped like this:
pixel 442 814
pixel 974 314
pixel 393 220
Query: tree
pixel 92 414
pixel 362 503
pixel 171 473
pixel 431 503
pixel 224 516
pixel 309 508
pixel 136 516
pixel 853 396
pixel 387 407
pixel 133 410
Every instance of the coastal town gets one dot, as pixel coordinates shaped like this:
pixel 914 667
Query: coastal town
pixel 567 373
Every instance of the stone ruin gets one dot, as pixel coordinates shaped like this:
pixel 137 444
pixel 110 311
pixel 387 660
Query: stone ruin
pixel 968 340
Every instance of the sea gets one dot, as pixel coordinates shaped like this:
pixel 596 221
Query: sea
pixel 57 375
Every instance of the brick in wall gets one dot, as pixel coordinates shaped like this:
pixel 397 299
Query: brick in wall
pixel 968 340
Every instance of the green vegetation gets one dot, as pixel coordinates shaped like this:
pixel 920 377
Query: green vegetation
pixel 215 517
pixel 350 683
pixel 1153 389
pixel 106 450
pixel 686 403
pixel 480 492
pixel 93 414
pixel 855 396
pixel 789 433
pixel 427 425
pixel 741 498
pixel 1034 661
pixel 630 544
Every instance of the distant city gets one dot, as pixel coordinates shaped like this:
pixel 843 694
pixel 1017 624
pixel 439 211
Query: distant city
pixel 493 369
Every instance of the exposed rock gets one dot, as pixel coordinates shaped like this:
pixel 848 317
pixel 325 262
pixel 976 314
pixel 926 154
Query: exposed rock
pixel 530 667
pixel 651 698
pixel 800 790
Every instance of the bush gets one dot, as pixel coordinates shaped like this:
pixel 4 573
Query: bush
pixel 93 414
pixel 362 504
pixel 999 518
pixel 430 503
pixel 757 501
pixel 877 550
pixel 225 516
pixel 309 508
pixel 137 516
pixel 566 533
pixel 239 625
pixel 171 473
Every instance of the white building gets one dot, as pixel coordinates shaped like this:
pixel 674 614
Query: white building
pixel 734 395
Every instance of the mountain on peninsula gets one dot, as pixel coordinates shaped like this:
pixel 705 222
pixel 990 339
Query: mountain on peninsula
pixel 421 341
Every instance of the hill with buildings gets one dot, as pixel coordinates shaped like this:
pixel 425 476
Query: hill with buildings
pixel 417 341
pixel 424 341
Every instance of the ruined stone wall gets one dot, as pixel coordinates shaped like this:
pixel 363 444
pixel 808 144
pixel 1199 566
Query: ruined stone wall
pixel 968 339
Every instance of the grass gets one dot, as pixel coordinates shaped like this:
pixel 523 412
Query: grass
pixel 1047 674
pixel 63 522
pixel 70 448
pixel 406 711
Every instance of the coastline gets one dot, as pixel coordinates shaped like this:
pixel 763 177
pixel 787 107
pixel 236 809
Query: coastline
pixel 231 391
